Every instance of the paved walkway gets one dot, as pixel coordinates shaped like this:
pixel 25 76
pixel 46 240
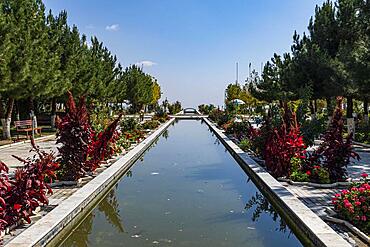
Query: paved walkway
pixel 23 151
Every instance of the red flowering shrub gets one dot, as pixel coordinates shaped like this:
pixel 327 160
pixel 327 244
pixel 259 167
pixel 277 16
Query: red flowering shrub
pixel 282 145
pixel 353 205
pixel 75 135
pixel 100 149
pixel 82 149
pixel 22 195
pixel 5 188
pixel 335 152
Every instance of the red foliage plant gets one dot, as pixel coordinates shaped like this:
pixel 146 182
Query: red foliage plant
pixel 75 134
pixel 99 148
pixel 283 144
pixel 23 194
pixel 336 151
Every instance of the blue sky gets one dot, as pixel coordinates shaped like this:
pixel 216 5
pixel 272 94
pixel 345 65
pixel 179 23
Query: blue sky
pixel 191 46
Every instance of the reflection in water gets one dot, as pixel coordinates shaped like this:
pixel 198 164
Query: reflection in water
pixel 262 206
pixel 109 206
pixel 165 134
pixel 83 231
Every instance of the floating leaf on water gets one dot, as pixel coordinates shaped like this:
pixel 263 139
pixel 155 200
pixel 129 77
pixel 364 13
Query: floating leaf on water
pixel 251 228
pixel 155 242
pixel 154 173
pixel 231 211
pixel 200 191
pixel 136 236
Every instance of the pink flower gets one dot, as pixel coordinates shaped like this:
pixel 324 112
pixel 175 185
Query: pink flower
pixel 308 173
pixel 364 175
pixel 348 205
pixel 357 203
pixel 366 186
pixel 363 218
pixel 345 192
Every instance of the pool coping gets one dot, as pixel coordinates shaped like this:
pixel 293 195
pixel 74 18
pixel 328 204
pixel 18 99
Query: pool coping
pixel 307 222
pixel 72 209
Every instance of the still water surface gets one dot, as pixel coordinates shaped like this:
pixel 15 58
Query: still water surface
pixel 186 191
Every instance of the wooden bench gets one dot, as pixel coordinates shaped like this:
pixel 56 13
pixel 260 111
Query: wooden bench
pixel 25 126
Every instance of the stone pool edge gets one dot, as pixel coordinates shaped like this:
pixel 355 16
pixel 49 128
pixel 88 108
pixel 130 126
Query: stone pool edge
pixel 55 222
pixel 307 222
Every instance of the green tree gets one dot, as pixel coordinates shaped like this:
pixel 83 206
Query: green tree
pixel 140 88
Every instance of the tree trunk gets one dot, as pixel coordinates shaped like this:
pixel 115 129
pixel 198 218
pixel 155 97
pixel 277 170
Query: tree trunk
pixel 312 109
pixel 53 113
pixel 6 118
pixel 17 114
pixel 366 111
pixel 281 104
pixel 350 119
pixel 329 107
pixel 31 108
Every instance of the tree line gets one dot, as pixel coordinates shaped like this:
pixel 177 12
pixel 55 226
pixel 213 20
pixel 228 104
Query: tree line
pixel 42 57
pixel 332 59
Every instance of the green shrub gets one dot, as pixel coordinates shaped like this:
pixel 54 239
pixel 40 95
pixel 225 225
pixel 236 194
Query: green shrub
pixel 245 144
pixel 324 176
pixel 312 129
pixel 128 124
pixel 363 133
pixel 299 176
pixel 152 124
pixel 174 108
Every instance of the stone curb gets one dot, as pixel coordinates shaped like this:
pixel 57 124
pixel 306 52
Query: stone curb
pixel 361 144
pixel 316 185
pixel 311 227
pixel 27 141
pixel 351 227
pixel 71 210
pixel 332 218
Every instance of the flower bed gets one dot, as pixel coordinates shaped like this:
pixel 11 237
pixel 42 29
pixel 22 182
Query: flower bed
pixel 280 143
pixel 353 204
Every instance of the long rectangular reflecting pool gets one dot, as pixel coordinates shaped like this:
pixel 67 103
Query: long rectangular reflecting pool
pixel 186 190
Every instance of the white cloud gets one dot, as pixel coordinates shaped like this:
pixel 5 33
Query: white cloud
pixel 112 28
pixel 146 63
